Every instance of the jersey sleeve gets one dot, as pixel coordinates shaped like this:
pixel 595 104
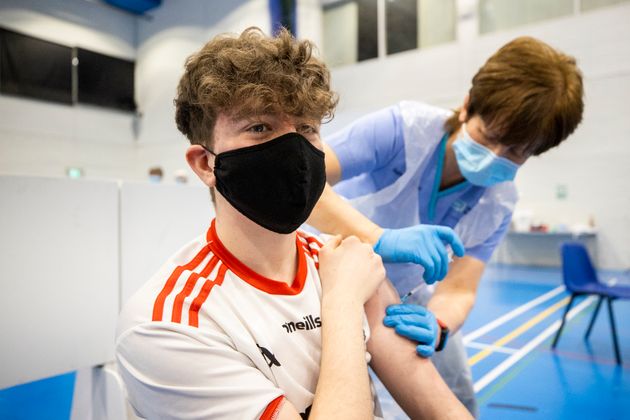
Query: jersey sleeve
pixel 368 144
pixel 172 372
pixel 484 250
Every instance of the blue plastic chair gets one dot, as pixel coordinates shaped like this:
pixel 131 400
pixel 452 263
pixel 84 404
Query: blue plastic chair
pixel 580 278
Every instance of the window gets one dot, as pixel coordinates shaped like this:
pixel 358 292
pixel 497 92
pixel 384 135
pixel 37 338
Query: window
pixel 341 34
pixel 503 14
pixel 350 31
pixel 401 17
pixel 438 19
pixel 105 81
pixel 596 4
pixel 35 68
pixel 368 29
pixel 419 23
pixel 40 69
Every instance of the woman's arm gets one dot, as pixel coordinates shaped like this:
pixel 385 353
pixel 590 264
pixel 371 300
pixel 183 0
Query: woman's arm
pixel 334 215
pixel 455 296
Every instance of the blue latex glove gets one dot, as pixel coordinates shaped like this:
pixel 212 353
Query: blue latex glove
pixel 420 244
pixel 416 323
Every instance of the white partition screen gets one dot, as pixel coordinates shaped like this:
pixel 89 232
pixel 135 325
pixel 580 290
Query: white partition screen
pixel 59 276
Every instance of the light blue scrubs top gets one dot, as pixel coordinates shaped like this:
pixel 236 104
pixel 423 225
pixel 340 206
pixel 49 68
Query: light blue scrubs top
pixel 372 156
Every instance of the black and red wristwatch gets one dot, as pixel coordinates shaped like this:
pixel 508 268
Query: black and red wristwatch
pixel 443 335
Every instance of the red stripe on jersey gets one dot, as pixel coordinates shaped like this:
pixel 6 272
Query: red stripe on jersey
pixel 273 409
pixel 311 246
pixel 313 252
pixel 193 313
pixel 158 306
pixel 311 239
pixel 188 288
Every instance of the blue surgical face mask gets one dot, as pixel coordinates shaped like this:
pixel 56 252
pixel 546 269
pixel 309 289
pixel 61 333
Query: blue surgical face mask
pixel 479 165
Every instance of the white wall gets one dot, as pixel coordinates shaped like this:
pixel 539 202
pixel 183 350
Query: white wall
pixel 309 21
pixel 594 163
pixel 43 138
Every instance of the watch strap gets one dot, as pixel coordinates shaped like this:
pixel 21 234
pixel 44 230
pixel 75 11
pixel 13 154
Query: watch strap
pixel 444 331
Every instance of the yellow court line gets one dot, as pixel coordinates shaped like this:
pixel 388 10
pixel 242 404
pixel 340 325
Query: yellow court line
pixel 518 331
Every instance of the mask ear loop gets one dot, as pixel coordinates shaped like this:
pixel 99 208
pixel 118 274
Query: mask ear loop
pixel 208 150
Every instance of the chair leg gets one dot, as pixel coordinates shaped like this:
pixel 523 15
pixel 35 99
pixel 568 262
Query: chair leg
pixel 590 325
pixel 614 331
pixel 564 317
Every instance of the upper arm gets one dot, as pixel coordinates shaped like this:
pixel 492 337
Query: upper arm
pixel 391 354
pixel 413 381
pixel 370 143
pixel 375 307
pixel 284 411
pixel 174 374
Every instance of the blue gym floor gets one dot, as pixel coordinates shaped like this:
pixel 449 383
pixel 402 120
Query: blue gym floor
pixel 518 378
pixel 521 377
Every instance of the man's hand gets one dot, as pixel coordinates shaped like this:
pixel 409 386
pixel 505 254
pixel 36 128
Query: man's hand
pixel 416 323
pixel 350 269
pixel 420 244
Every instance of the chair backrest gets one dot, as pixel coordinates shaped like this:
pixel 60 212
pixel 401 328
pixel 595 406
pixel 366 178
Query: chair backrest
pixel 577 269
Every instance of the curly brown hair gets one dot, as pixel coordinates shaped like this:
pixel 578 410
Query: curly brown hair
pixel 251 74
pixel 528 94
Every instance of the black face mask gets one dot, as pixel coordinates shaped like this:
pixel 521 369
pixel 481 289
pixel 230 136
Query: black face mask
pixel 274 184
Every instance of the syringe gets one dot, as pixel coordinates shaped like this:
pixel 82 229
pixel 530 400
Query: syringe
pixel 449 251
pixel 411 292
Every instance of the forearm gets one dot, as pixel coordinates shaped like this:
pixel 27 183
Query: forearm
pixel 413 381
pixel 343 389
pixel 455 296
pixel 333 214
pixel 452 307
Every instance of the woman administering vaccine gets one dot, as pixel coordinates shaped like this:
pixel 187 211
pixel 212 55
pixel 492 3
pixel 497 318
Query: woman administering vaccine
pixel 413 165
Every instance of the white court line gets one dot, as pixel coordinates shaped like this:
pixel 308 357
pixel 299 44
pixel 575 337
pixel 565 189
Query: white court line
pixel 510 361
pixel 512 314
pixel 499 349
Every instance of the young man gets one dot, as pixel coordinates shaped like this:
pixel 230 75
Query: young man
pixel 413 164
pixel 255 319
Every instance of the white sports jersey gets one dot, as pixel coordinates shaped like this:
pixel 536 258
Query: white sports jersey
pixel 207 337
